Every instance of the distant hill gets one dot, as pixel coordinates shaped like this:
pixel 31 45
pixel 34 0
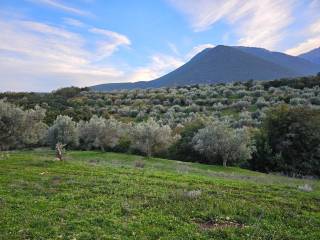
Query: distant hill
pixel 224 64
pixel 312 56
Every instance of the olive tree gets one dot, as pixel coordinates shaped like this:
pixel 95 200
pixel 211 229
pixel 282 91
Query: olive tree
pixel 218 142
pixel 19 128
pixel 11 119
pixel 150 137
pixel 63 131
pixel 34 128
pixel 89 132
pixel 100 133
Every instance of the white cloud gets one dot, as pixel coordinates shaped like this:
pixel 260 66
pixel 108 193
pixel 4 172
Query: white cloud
pixel 63 7
pixel 160 64
pixel 258 23
pixel 311 42
pixel 111 42
pixel 197 49
pixel 119 38
pixel 315 27
pixel 33 52
pixel 304 47
pixel 73 22
pixel 173 48
pixel 37 27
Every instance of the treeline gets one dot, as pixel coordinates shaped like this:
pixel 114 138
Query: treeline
pixel 287 141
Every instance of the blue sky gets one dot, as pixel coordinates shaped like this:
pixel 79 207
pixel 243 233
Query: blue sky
pixel 48 44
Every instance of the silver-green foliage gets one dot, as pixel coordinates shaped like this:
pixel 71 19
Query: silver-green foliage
pixel 218 142
pixel 100 133
pixel 19 128
pixel 150 137
pixel 64 131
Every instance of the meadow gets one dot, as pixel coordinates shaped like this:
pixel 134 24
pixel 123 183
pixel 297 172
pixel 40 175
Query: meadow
pixel 101 195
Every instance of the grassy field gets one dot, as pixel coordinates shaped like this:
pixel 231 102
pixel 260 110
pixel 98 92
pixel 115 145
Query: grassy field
pixel 95 195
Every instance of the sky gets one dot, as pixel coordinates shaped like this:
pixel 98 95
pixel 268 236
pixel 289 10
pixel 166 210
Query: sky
pixel 49 44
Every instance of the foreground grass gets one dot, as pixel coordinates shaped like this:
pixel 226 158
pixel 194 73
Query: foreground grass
pixel 95 195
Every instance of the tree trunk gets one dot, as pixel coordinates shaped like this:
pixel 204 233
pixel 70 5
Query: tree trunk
pixel 149 152
pixel 59 149
pixel 225 163
pixel 148 148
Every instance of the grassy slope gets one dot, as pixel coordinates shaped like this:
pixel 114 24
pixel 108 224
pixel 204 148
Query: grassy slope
pixel 96 195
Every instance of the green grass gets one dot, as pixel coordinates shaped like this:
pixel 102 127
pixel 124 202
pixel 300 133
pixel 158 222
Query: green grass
pixel 95 195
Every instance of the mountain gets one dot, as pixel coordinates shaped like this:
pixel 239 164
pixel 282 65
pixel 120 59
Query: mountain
pixel 312 56
pixel 223 64
pixel 303 66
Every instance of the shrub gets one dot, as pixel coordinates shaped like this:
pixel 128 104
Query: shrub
pixel 298 101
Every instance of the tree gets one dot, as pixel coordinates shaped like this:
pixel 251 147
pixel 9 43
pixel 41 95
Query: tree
pixel 11 125
pixel 20 128
pixel 111 134
pixel 34 128
pixel 150 137
pixel 100 133
pixel 63 131
pixel 89 132
pixel 290 141
pixel 218 142
pixel 183 148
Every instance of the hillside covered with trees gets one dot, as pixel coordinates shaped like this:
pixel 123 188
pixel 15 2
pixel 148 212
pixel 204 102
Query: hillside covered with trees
pixel 270 126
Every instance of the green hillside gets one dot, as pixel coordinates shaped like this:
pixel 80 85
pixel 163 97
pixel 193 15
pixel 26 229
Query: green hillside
pixel 94 195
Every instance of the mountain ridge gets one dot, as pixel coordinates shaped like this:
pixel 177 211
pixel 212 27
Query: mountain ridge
pixel 223 64
pixel 312 56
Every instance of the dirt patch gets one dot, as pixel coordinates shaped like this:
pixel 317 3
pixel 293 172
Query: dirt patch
pixel 219 224
pixel 94 161
pixel 139 164
pixel 56 180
